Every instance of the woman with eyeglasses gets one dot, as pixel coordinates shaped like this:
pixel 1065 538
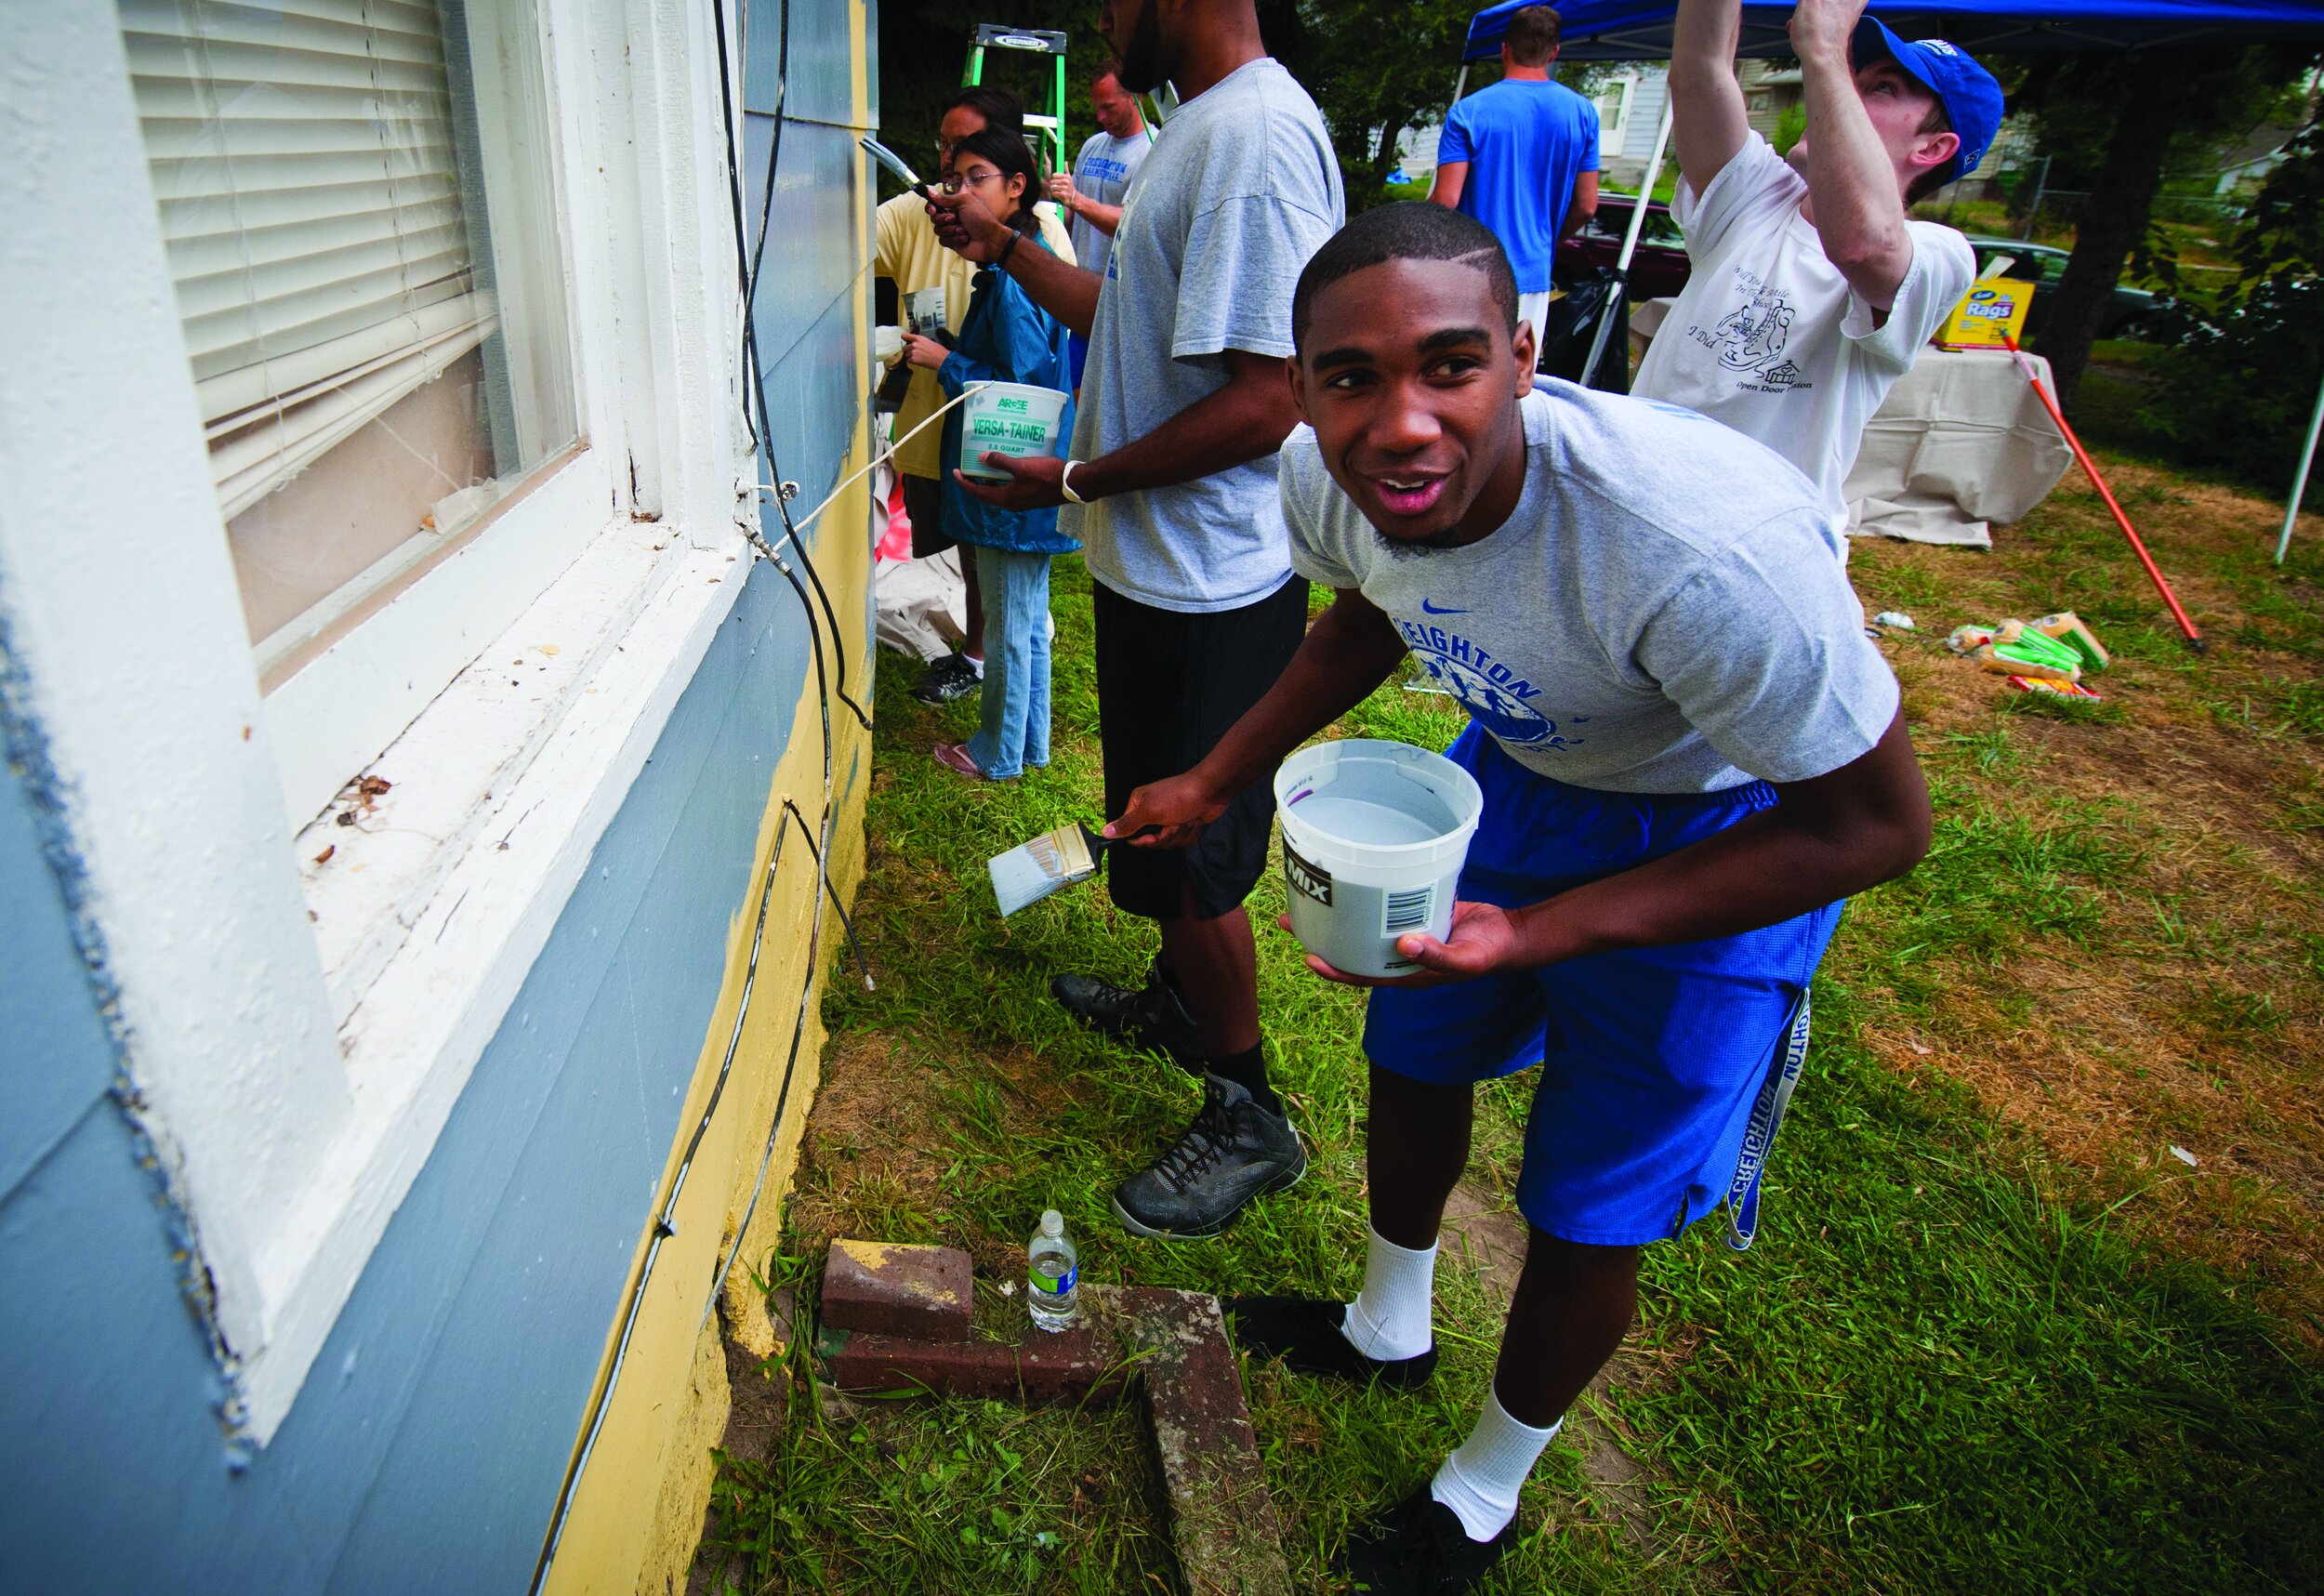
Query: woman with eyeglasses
pixel 1006 337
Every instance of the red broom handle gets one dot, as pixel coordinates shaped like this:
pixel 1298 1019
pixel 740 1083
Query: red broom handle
pixel 2193 638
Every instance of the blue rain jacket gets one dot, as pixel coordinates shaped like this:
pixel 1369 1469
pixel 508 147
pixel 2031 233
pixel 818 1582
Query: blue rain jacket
pixel 1006 337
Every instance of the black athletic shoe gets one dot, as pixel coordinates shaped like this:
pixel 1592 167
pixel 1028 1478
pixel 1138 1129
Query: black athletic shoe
pixel 1419 1549
pixel 1305 1332
pixel 950 677
pixel 1151 1016
pixel 1234 1151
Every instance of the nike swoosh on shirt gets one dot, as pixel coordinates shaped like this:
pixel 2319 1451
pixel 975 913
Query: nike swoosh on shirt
pixel 1428 608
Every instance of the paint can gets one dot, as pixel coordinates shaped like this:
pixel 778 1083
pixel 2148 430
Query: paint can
pixel 1374 835
pixel 1008 419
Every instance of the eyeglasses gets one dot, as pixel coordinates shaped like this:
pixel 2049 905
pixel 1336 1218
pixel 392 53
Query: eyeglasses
pixel 946 146
pixel 954 182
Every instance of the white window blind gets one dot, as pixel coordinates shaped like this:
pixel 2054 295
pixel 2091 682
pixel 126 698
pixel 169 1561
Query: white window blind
pixel 303 155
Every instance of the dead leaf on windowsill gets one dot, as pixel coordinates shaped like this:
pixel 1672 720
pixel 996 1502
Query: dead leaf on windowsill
pixel 372 787
pixel 345 817
pixel 548 649
pixel 324 857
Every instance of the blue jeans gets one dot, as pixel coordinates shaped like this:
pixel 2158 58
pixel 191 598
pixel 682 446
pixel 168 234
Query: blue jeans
pixel 1015 729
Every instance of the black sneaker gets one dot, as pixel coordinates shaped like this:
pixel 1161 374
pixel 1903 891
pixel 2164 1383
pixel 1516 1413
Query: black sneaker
pixel 1419 1549
pixel 1152 1016
pixel 1234 1151
pixel 950 677
pixel 1305 1332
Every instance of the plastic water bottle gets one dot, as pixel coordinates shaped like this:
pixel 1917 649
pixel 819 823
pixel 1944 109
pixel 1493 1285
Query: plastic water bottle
pixel 1051 1272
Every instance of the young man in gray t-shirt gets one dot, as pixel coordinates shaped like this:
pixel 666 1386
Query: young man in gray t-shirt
pixel 1689 756
pixel 1171 489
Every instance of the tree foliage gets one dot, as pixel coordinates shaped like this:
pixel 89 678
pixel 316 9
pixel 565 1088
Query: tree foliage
pixel 2112 124
pixel 1378 69
pixel 2238 387
pixel 924 48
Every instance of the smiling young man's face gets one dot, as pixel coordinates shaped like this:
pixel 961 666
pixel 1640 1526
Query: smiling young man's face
pixel 1408 375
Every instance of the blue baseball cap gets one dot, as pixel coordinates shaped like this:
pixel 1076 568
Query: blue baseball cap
pixel 1971 98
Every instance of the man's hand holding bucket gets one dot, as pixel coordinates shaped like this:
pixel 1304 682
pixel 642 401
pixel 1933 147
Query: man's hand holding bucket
pixel 1484 938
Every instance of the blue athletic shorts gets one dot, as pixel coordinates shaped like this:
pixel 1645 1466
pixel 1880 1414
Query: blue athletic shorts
pixel 1077 351
pixel 1664 1070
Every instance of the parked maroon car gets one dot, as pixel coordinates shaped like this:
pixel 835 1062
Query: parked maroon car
pixel 1659 269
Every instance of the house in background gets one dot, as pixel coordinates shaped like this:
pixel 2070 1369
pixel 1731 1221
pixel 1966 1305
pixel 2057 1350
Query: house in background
pixel 419 796
pixel 1629 98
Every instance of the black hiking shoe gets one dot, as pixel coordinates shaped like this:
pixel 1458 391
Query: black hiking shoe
pixel 950 677
pixel 1152 1016
pixel 1305 1332
pixel 1234 1151
pixel 1419 1549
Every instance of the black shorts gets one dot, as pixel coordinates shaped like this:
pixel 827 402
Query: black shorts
pixel 924 508
pixel 1169 685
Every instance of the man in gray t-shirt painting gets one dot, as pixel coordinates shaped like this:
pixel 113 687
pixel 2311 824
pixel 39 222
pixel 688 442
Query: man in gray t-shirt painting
pixel 1171 489
pixel 1689 755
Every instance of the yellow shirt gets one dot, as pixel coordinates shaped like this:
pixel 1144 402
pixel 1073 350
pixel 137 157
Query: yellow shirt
pixel 909 255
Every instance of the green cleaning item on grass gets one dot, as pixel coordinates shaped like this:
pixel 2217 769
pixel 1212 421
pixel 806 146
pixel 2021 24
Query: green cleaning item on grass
pixel 2029 647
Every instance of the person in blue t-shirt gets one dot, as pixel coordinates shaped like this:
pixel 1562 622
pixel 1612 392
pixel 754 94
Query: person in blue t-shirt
pixel 1521 157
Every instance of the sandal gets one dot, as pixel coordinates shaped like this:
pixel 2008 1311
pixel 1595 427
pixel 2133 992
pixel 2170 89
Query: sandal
pixel 955 758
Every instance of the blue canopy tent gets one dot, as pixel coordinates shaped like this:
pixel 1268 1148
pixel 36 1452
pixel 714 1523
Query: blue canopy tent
pixel 1639 30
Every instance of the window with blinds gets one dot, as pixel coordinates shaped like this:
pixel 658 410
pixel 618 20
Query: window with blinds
pixel 332 180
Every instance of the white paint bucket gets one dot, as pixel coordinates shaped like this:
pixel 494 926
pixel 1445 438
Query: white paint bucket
pixel 1008 419
pixel 1374 834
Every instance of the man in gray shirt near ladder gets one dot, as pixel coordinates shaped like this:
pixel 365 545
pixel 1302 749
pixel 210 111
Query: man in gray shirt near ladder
pixel 1172 484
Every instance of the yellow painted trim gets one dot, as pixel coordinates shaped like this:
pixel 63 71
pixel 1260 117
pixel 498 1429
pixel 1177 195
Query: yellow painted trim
pixel 637 1513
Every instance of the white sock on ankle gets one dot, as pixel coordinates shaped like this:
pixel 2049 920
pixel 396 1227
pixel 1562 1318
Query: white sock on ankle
pixel 1480 1482
pixel 1390 1318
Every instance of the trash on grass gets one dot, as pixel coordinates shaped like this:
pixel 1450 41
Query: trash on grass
pixel 1895 618
pixel 2070 629
pixel 2057 648
pixel 2056 689
pixel 2183 1155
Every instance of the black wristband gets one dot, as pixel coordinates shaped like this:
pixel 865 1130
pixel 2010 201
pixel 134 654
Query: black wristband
pixel 1000 261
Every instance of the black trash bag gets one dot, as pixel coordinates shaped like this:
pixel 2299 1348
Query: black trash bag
pixel 1572 322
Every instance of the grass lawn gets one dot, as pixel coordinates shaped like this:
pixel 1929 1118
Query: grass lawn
pixel 1996 1332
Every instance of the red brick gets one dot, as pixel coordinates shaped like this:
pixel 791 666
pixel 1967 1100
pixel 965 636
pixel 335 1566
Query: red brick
pixel 1222 1522
pixel 1169 1346
pixel 1070 1365
pixel 896 1290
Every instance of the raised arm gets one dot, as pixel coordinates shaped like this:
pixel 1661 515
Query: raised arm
pixel 1824 838
pixel 1852 193
pixel 1351 649
pixel 1708 123
pixel 1059 286
pixel 1098 214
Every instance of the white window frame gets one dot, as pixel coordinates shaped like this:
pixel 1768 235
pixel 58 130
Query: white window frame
pixel 1628 84
pixel 289 1099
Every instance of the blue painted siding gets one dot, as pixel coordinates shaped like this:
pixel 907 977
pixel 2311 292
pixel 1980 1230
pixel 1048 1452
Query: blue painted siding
pixel 426 1450
pixel 427 1447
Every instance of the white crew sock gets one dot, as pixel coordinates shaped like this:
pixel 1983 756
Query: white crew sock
pixel 1480 1481
pixel 1390 1318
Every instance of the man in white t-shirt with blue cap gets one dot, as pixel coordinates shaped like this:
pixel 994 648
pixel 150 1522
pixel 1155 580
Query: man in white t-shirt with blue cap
pixel 1812 290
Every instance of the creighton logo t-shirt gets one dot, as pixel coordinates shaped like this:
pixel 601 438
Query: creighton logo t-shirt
pixel 1664 612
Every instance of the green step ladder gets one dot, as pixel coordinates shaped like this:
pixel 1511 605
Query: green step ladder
pixel 1050 126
